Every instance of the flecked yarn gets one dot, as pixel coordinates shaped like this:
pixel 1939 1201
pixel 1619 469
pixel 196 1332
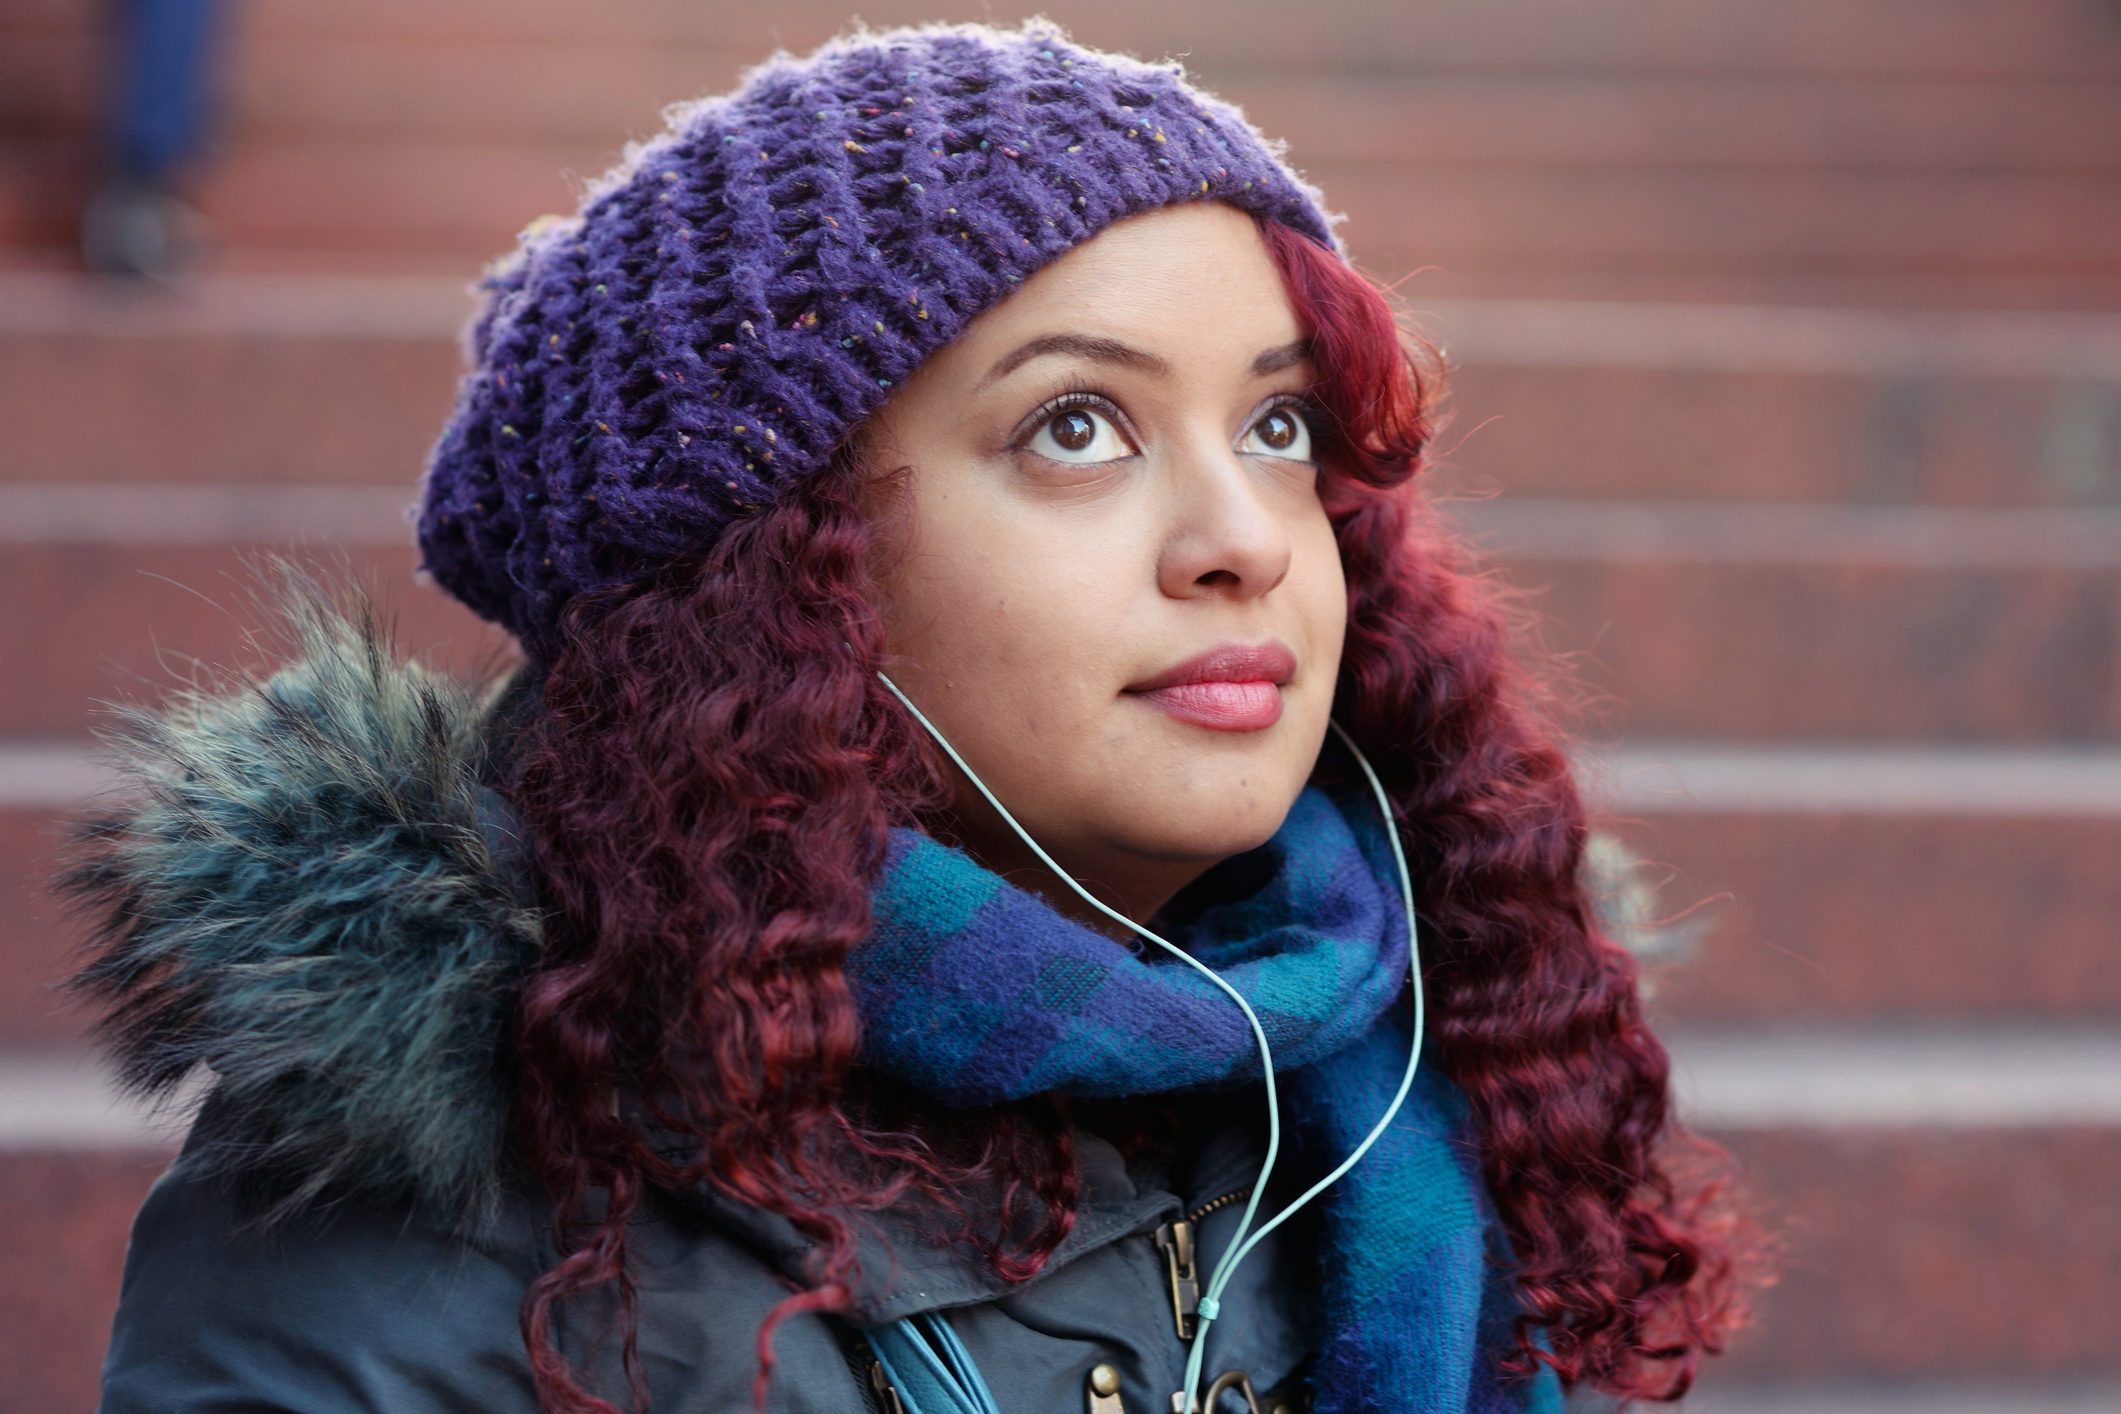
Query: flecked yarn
pixel 741 290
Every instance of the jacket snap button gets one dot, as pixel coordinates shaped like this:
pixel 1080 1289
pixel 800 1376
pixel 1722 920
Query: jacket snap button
pixel 1104 1390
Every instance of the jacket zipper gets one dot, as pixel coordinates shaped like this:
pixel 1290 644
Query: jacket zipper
pixel 877 1394
pixel 1175 1240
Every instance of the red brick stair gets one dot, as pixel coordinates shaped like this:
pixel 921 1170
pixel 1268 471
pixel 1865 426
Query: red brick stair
pixel 1788 349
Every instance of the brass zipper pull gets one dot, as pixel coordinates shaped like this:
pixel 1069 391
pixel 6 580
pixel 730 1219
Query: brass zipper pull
pixel 886 1396
pixel 1175 1240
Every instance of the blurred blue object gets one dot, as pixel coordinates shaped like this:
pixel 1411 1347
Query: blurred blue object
pixel 160 117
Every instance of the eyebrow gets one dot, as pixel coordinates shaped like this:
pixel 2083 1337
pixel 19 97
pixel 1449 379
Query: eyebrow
pixel 1103 350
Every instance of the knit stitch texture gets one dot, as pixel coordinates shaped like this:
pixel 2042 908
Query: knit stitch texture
pixel 740 291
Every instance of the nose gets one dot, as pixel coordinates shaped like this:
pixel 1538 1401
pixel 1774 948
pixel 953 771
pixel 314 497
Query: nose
pixel 1227 531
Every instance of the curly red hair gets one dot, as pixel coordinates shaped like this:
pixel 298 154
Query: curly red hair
pixel 710 783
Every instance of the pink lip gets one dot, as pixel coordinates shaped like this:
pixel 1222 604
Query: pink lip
pixel 1222 706
pixel 1232 687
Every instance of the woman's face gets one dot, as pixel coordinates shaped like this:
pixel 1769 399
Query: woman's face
pixel 1111 474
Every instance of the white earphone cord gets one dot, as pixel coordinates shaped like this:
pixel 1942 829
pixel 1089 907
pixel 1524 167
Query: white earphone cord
pixel 1241 1244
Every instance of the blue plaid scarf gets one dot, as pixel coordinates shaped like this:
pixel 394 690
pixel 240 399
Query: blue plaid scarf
pixel 978 991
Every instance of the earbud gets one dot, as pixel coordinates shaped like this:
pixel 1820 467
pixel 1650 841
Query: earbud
pixel 1241 1244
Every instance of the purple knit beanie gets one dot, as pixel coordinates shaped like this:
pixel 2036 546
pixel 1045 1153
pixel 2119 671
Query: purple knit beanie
pixel 741 290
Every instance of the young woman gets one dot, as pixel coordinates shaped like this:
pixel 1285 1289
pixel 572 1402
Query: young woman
pixel 1016 872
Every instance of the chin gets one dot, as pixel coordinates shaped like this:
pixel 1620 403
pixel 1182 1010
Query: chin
pixel 1192 834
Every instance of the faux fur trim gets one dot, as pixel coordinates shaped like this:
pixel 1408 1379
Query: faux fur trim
pixel 297 886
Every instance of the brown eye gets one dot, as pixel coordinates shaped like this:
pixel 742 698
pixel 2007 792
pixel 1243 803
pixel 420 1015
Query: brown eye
pixel 1285 433
pixel 1076 429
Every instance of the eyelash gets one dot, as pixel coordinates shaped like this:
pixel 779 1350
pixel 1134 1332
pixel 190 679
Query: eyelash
pixel 1094 396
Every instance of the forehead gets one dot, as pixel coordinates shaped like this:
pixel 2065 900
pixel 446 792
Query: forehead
pixel 1187 280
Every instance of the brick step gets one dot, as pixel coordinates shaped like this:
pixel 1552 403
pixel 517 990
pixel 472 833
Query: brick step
pixel 74 1209
pixel 1880 885
pixel 1791 624
pixel 349 379
pixel 1851 1080
pixel 1936 1254
pixel 1874 1210
pixel 382 90
pixel 1888 38
pixel 1913 291
pixel 1818 624
pixel 116 620
pixel 1787 886
pixel 446 196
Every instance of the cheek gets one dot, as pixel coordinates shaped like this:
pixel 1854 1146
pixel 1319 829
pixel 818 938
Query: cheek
pixel 1335 614
pixel 1019 631
pixel 1324 597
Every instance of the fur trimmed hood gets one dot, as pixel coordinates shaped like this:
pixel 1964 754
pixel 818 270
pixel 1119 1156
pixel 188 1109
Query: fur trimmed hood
pixel 304 884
